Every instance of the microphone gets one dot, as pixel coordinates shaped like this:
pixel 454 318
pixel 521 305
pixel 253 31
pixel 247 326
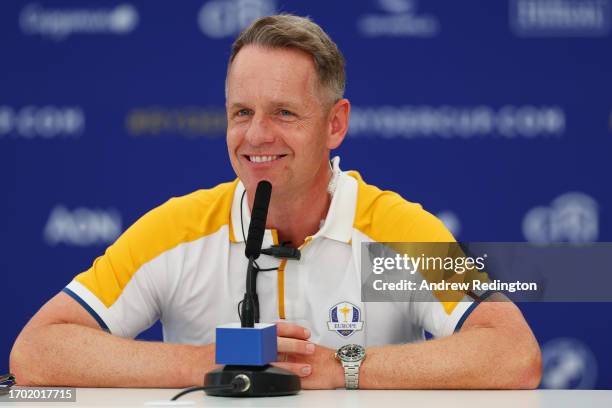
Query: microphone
pixel 248 350
pixel 257 227
pixel 249 310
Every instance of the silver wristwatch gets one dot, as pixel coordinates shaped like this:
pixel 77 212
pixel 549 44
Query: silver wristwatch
pixel 351 357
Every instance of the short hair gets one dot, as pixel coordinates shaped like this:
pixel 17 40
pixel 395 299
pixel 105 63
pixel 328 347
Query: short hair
pixel 290 31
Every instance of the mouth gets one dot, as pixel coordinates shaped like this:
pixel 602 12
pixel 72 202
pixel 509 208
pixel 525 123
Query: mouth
pixel 264 158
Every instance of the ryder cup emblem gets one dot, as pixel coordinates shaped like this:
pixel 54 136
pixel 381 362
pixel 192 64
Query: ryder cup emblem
pixel 345 319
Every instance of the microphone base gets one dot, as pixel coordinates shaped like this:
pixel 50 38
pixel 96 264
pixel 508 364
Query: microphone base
pixel 265 381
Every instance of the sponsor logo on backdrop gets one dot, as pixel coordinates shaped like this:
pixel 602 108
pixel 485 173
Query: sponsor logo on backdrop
pixel 457 121
pixel 399 18
pixel 82 226
pixel 560 18
pixel 60 23
pixel 571 217
pixel 190 122
pixel 450 221
pixel 345 319
pixel 227 18
pixel 568 363
pixel 44 122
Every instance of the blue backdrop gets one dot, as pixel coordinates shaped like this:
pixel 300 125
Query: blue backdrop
pixel 496 115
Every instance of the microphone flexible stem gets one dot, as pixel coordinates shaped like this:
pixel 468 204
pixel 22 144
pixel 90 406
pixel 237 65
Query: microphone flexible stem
pixel 249 314
pixel 251 278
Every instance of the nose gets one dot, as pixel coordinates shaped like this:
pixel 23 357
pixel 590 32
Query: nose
pixel 259 132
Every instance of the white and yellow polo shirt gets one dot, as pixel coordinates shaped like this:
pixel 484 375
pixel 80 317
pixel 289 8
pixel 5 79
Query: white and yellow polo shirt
pixel 184 263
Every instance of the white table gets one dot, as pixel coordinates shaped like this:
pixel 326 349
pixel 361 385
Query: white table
pixel 340 398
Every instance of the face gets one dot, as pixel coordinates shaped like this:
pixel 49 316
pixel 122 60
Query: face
pixel 278 129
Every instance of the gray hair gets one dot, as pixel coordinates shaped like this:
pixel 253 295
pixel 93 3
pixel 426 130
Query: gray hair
pixel 289 31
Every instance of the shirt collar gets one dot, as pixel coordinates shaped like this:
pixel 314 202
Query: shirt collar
pixel 338 223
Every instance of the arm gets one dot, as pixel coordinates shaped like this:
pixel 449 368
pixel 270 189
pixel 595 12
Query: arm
pixel 64 345
pixel 495 349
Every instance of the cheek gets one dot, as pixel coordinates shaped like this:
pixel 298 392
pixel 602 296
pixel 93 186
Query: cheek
pixel 233 142
pixel 231 150
pixel 234 138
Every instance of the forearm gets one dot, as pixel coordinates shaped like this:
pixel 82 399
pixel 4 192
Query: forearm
pixel 478 358
pixel 70 354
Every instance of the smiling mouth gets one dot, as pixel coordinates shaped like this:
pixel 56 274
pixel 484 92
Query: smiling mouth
pixel 264 159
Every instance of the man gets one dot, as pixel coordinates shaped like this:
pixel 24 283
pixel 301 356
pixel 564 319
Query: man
pixel 184 262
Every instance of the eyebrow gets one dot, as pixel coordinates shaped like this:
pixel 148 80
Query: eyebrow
pixel 236 105
pixel 273 104
pixel 285 104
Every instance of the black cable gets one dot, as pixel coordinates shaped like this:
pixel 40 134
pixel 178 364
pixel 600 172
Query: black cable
pixel 241 221
pixel 267 269
pixel 193 389
pixel 238 384
pixel 239 304
pixel 263 269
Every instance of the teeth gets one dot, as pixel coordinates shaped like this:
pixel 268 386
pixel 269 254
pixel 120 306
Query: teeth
pixel 262 159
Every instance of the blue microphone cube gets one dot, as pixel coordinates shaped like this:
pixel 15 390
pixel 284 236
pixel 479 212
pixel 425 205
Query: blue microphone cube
pixel 254 346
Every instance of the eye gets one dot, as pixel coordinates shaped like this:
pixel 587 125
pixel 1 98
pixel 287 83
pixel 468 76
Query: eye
pixel 243 112
pixel 285 112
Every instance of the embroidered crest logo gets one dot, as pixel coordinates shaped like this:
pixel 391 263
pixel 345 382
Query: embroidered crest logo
pixel 345 319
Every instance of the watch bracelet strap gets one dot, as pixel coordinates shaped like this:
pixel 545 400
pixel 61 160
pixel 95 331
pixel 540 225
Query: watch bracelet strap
pixel 351 375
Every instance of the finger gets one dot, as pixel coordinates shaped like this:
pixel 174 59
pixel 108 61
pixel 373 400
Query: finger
pixel 302 370
pixel 284 329
pixel 288 345
pixel 289 358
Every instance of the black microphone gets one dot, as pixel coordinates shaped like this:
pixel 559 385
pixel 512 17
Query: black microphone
pixel 245 378
pixel 249 310
pixel 257 227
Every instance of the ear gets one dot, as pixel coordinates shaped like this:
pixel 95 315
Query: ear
pixel 338 123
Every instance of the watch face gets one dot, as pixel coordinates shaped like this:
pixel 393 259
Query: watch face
pixel 351 352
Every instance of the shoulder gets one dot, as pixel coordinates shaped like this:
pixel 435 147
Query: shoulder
pixel 201 212
pixel 185 218
pixel 177 221
pixel 385 216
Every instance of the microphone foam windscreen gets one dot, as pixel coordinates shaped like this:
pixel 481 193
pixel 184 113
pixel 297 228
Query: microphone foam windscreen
pixel 259 215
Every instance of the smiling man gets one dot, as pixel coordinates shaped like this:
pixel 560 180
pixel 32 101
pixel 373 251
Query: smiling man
pixel 282 124
pixel 183 262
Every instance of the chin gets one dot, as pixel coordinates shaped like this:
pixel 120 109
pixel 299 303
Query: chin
pixel 251 183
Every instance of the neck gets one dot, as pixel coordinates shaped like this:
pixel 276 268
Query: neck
pixel 298 214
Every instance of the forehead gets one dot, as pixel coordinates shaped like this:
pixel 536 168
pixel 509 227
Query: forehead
pixel 272 73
